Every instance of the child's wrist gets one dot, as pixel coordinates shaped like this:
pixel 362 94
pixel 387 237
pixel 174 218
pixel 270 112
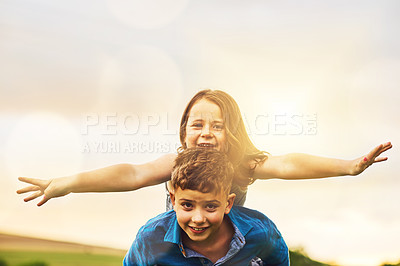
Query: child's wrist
pixel 352 167
pixel 70 184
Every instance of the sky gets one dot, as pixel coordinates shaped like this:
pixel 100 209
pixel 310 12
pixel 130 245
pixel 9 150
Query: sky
pixel 87 84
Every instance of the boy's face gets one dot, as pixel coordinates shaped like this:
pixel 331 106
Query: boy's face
pixel 200 215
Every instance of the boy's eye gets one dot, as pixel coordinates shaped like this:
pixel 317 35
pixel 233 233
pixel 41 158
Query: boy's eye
pixel 187 205
pixel 211 207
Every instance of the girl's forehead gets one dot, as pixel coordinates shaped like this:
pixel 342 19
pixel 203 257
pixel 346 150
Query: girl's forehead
pixel 205 108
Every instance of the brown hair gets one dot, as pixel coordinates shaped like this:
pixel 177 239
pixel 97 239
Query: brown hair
pixel 241 151
pixel 204 170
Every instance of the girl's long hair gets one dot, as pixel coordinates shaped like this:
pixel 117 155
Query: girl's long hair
pixel 240 150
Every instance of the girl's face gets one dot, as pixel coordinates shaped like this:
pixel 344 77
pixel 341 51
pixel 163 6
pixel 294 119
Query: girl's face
pixel 205 126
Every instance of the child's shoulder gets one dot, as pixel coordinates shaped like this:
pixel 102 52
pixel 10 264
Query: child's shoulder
pixel 247 212
pixel 165 216
pixel 255 226
pixel 247 217
pixel 158 225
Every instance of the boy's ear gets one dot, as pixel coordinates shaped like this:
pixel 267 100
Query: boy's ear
pixel 231 199
pixel 172 196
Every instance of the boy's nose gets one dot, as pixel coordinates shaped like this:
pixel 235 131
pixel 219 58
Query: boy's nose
pixel 198 218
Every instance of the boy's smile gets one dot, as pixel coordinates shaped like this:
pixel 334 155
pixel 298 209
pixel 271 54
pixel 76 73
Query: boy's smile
pixel 201 215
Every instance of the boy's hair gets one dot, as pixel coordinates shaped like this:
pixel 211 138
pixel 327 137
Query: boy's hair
pixel 204 170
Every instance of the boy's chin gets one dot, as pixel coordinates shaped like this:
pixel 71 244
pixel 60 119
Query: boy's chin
pixel 197 236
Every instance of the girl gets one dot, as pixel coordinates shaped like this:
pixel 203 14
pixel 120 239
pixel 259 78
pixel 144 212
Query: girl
pixel 212 120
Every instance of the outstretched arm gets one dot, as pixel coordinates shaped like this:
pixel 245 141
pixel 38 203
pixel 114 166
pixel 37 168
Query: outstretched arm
pixel 120 177
pixel 304 166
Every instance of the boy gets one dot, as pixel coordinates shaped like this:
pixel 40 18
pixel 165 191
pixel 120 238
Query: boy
pixel 205 228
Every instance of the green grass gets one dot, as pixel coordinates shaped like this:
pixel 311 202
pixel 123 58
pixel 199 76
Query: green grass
pixel 29 258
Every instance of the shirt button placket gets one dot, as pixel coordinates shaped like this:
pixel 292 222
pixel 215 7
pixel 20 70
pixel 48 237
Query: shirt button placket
pixel 182 250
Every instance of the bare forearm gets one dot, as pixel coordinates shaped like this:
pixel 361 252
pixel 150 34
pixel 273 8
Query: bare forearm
pixel 124 177
pixel 120 177
pixel 305 166
pixel 302 166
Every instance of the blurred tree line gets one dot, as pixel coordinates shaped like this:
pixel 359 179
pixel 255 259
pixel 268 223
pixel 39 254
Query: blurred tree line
pixel 298 257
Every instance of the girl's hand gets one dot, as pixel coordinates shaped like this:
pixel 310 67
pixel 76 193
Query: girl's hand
pixel 362 163
pixel 48 188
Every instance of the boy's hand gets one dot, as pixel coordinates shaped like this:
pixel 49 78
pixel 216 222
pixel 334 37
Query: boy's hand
pixel 362 163
pixel 48 188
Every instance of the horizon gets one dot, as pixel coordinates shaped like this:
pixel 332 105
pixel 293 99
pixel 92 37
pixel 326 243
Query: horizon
pixel 44 242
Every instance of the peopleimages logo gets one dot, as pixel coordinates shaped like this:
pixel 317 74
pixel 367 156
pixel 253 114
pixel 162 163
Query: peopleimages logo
pixel 128 133
pixel 129 147
pixel 290 124
pixel 133 133
pixel 126 124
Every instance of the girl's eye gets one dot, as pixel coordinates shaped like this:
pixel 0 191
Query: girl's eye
pixel 197 125
pixel 219 126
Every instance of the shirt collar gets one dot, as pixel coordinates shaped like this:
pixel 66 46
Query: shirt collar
pixel 243 226
pixel 238 241
pixel 173 233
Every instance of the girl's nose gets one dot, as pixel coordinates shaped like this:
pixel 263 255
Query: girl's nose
pixel 206 132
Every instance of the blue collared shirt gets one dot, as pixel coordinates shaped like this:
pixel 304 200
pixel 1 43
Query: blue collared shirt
pixel 159 242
